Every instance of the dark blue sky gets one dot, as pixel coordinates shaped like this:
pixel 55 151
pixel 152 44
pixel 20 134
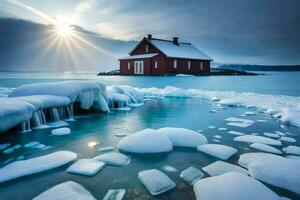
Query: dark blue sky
pixel 230 31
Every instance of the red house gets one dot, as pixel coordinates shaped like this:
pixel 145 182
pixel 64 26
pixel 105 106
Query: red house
pixel 153 56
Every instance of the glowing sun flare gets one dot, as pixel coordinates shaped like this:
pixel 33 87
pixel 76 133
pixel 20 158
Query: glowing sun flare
pixel 64 30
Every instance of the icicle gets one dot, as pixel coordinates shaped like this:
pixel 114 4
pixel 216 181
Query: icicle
pixel 26 126
pixel 54 114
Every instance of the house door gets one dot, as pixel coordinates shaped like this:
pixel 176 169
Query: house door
pixel 138 67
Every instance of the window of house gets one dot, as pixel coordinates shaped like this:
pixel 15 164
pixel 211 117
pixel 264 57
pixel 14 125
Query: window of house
pixel 147 48
pixel 189 65
pixel 156 64
pixel 128 65
pixel 175 64
pixel 201 65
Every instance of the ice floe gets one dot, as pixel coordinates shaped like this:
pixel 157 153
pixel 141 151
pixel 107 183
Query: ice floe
pixel 217 150
pixel 222 129
pixel 68 190
pixel 257 139
pixel 273 169
pixel 35 165
pixel 169 168
pixel 287 139
pixel 272 135
pixel 191 175
pixel 233 186
pixel 155 181
pixel 265 148
pixel 87 167
pixel 146 141
pixel 217 136
pixel 211 127
pixel 182 137
pixel 292 150
pixel 114 158
pixel 61 131
pixel 114 194
pixel 236 133
pixel 220 167
pixel 4 146
pixel 108 148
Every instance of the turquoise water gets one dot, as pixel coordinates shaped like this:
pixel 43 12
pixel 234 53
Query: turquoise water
pixel 192 113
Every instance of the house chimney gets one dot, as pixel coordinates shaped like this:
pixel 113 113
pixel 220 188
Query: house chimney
pixel 175 40
pixel 149 36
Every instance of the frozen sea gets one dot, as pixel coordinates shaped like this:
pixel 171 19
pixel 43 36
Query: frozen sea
pixel 100 129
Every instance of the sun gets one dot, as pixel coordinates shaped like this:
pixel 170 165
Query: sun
pixel 64 30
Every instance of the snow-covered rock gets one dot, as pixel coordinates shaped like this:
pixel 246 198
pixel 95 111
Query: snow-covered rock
pixel 257 139
pixel 265 147
pixel 146 141
pixel 114 158
pixel 233 186
pixel 67 190
pixel 155 181
pixel 217 150
pixel 191 175
pixel 35 165
pixel 61 131
pixel 273 169
pixel 292 150
pixel 182 137
pixel 220 167
pixel 87 167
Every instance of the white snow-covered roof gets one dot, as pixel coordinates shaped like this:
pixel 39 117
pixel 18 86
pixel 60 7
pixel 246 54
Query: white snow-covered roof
pixel 149 55
pixel 182 50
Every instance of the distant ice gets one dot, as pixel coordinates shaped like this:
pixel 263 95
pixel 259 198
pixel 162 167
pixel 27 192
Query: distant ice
pixel 238 124
pixel 35 165
pixel 215 99
pixel 87 167
pixel 272 135
pixel 66 191
pixel 280 133
pixel 8 151
pixel 169 168
pixel 114 194
pixel 114 158
pixel 265 148
pixel 191 175
pixel 61 131
pixel 222 129
pixel 233 186
pixel 250 113
pixel 216 140
pixel 217 150
pixel 108 148
pixel 220 167
pixel 236 133
pixel 292 150
pixel 257 139
pixel 287 139
pixel 155 181
pixel 211 127
pixel 217 136
pixel 4 146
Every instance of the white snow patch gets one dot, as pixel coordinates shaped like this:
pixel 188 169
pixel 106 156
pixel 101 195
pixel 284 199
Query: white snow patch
pixel 257 139
pixel 61 131
pixel 191 175
pixel 87 167
pixel 265 147
pixel 220 167
pixel 292 150
pixel 114 158
pixel 217 150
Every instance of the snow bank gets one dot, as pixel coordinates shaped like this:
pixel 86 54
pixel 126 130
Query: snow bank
pixel 217 150
pixel 146 141
pixel 265 147
pixel 35 165
pixel 233 186
pixel 87 167
pixel 191 175
pixel 257 139
pixel 61 131
pixel 220 167
pixel 114 158
pixel 13 112
pixel 284 174
pixel 120 96
pixel 182 137
pixel 292 150
pixel 155 181
pixel 67 190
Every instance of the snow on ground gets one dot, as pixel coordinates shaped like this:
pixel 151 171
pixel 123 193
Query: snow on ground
pixel 61 131
pixel 114 158
pixel 265 148
pixel 284 172
pixel 217 150
pixel 220 167
pixel 191 175
pixel 233 186
pixel 155 181
pixel 257 139
pixel 114 194
pixel 35 165
pixel 182 137
pixel 87 167
pixel 146 141
pixel 67 190
pixel 292 150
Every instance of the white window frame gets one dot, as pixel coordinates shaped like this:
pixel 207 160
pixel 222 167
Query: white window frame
pixel 175 64
pixel 189 65
pixel 147 48
pixel 138 67
pixel 128 65
pixel 201 65
pixel 156 64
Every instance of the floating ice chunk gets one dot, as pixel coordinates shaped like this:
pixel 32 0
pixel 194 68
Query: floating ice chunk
pixel 57 124
pixel 284 172
pixel 67 190
pixel 217 136
pixel 169 168
pixel 211 127
pixel 292 150
pixel 87 167
pixel 4 146
pixel 120 134
pixel 183 137
pixel 250 113
pixel 262 120
pixel 61 131
pixel 146 141
pixel 8 151
pixel 191 175
pixel 280 133
pixel 236 133
pixel 215 99
pixel 220 167
pixel 257 139
pixel 31 144
pixel 287 139
pixel 114 158
pixel 272 135
pixel 222 129
pixel 156 181
pixel 238 124
pixel 17 146
pixel 265 147
pixel 35 165
pixel 8 160
pixel 213 111
pixel 116 194
pixel 239 120
pixel 122 109
pixel 233 186
pixel 216 140
pixel 217 150
pixel 104 149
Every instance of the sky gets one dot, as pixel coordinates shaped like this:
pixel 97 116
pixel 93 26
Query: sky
pixel 229 31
